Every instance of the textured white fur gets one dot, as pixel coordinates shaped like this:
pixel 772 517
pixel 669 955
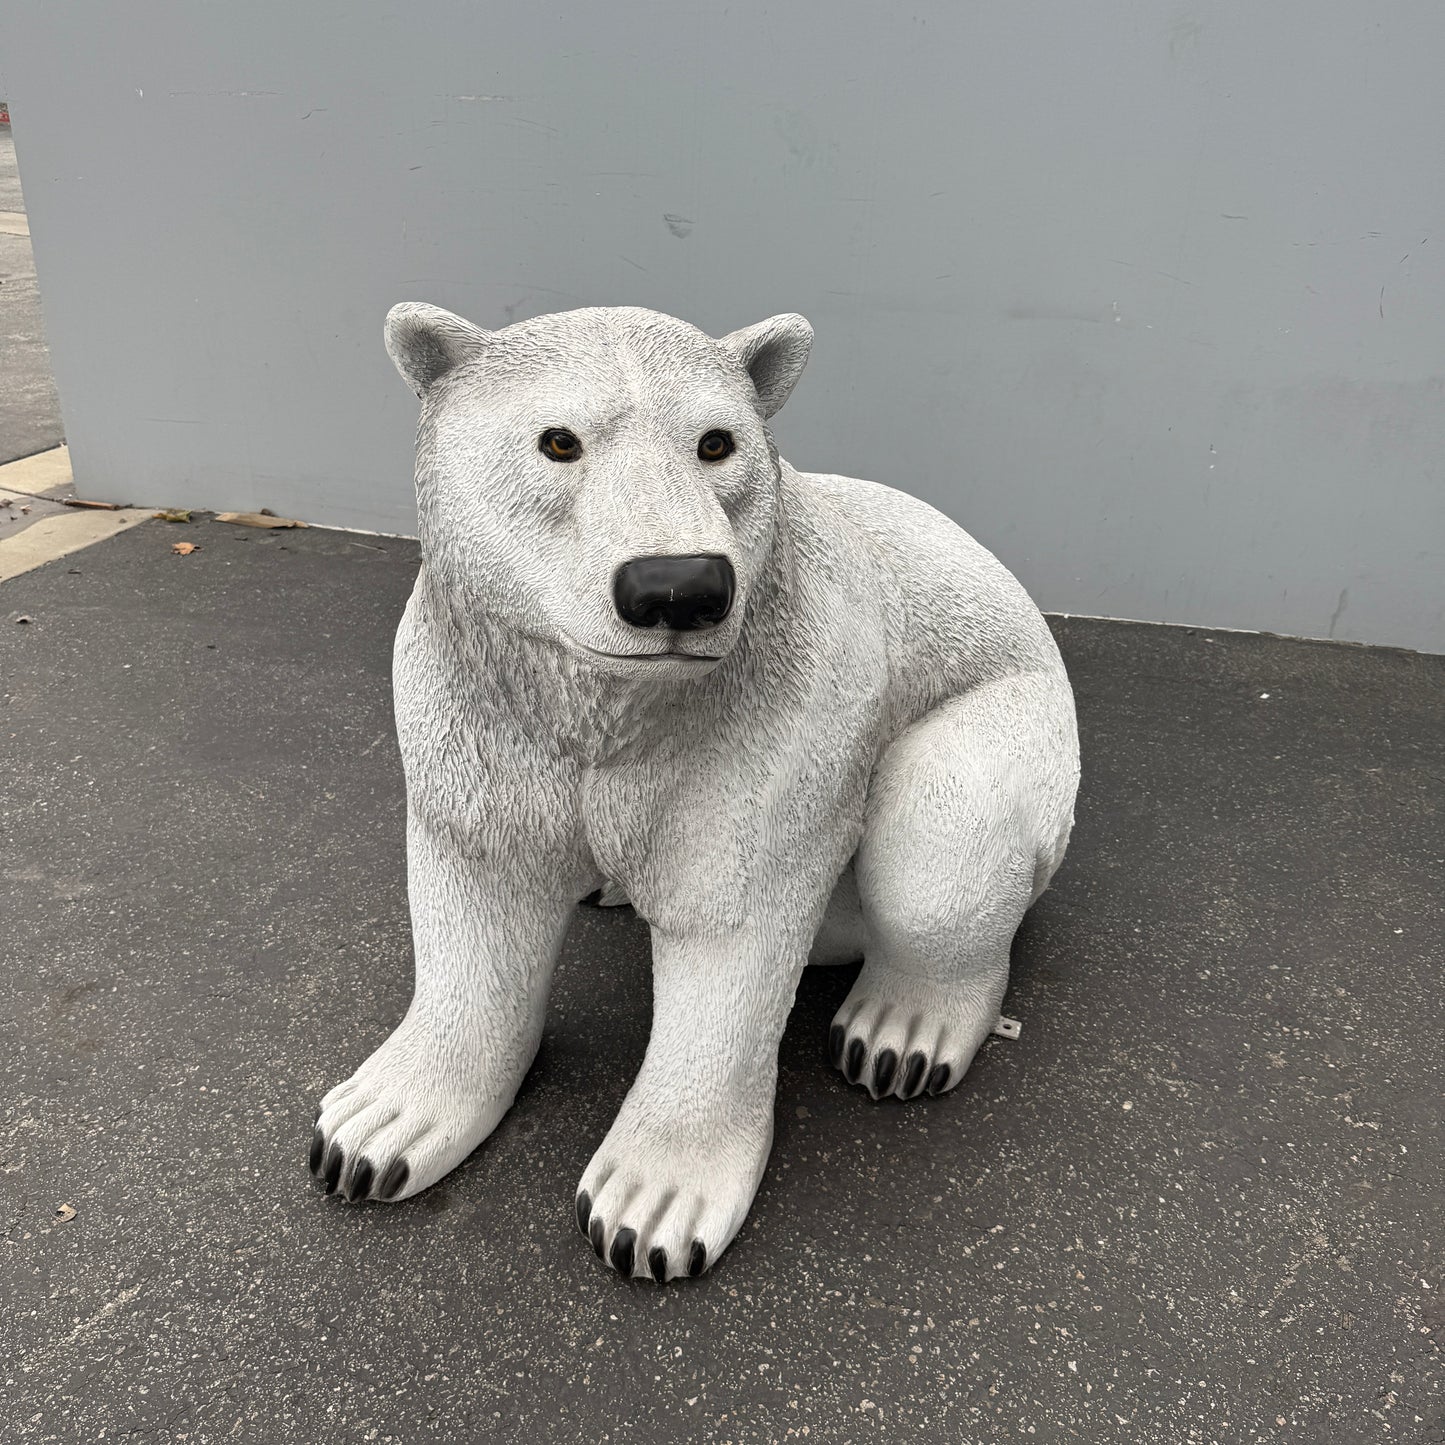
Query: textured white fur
pixel 888 726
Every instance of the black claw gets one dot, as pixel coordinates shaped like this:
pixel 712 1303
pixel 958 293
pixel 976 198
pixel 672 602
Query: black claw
pixel 393 1179
pixel 697 1259
pixel 622 1251
pixel 596 1232
pixel 836 1035
pixel 584 1210
pixel 334 1161
pixel 854 1065
pixel 361 1178
pixel 913 1075
pixel 593 899
pixel 883 1068
pixel 657 1263
pixel 938 1079
pixel 318 1151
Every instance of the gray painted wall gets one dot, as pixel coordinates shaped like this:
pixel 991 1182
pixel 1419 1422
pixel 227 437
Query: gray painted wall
pixel 1148 297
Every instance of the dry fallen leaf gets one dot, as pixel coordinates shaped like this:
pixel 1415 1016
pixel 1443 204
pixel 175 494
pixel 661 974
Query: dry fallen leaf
pixel 99 506
pixel 258 519
pixel 184 549
pixel 65 1212
pixel 19 620
pixel 174 515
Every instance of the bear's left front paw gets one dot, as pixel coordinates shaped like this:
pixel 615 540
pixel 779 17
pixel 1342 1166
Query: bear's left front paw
pixel 660 1205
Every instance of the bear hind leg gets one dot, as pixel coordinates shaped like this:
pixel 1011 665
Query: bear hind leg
pixel 966 820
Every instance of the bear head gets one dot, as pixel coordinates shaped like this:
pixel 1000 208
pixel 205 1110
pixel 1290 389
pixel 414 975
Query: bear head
pixel 604 479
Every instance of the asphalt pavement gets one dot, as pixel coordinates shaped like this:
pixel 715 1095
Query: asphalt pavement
pixel 1201 1199
pixel 29 407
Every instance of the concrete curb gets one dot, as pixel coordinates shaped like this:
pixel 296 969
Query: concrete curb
pixel 44 472
pixel 54 537
pixel 58 535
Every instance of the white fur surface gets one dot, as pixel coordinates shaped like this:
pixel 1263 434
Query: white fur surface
pixel 873 756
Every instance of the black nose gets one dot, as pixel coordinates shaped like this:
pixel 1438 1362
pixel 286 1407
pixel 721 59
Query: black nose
pixel 683 593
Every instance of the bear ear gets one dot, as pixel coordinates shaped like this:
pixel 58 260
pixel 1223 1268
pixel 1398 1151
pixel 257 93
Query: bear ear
pixel 774 352
pixel 426 342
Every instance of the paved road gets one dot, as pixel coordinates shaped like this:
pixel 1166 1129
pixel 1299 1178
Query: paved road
pixel 29 407
pixel 1200 1200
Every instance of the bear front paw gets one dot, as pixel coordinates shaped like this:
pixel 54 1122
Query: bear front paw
pixel 405 1118
pixel 665 1208
pixel 361 1143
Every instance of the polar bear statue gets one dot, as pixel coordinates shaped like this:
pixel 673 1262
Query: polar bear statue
pixel 791 717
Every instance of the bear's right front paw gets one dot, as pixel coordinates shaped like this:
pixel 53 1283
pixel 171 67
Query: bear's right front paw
pixel 349 1168
pixel 398 1124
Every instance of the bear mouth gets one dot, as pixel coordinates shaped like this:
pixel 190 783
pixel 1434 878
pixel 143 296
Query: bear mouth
pixel 666 655
pixel 654 656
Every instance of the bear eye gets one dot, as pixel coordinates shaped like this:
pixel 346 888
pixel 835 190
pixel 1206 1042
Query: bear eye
pixel 559 444
pixel 715 445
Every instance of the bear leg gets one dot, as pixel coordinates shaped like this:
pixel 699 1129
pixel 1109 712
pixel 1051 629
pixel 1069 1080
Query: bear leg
pixel 672 1182
pixel 486 946
pixel 967 817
